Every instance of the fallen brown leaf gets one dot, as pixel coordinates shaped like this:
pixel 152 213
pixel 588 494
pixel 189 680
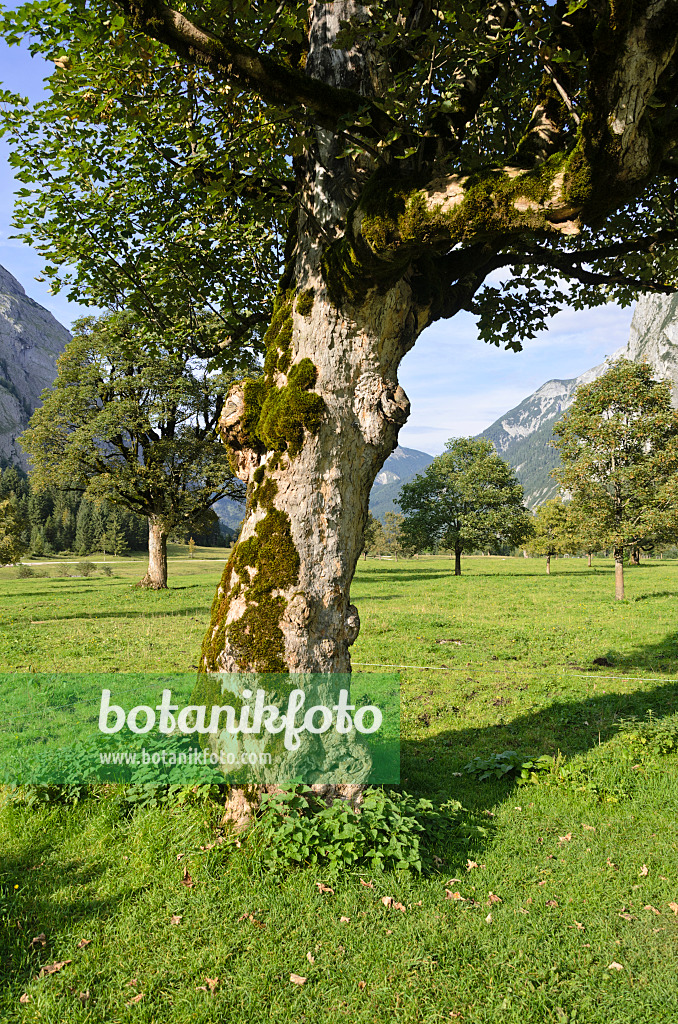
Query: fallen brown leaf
pixel 297 979
pixel 471 864
pixel 53 968
pixel 564 839
pixel 449 895
pixel 186 878
pixel 589 828
pixel 212 983
pixel 494 899
pixel 674 907
pixel 83 997
pixel 324 888
pixel 39 940
pixel 25 998
pixel 345 920
pixel 614 966
pixel 83 943
pixel 611 864
pixel 176 918
pixel 644 871
pixel 179 856
pixel 543 882
pixel 368 885
pixel 648 906
pixel 137 999
pixel 133 983
pixel 361 985
pixel 310 958
pixel 488 919
pixel 552 903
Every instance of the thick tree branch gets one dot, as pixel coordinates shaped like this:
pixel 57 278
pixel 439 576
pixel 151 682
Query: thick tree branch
pixel 327 105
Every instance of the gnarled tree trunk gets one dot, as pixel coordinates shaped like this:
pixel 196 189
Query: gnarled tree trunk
pixel 156 575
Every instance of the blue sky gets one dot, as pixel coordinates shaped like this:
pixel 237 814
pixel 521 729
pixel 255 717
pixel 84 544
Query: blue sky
pixel 457 385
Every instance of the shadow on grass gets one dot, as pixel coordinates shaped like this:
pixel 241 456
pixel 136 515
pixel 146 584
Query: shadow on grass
pixel 656 593
pixel 571 727
pixel 32 909
pixel 172 613
pixel 661 656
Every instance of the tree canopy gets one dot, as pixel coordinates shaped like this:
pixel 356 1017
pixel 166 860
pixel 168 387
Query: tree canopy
pixel 618 444
pixel 467 499
pixel 122 423
pixel 537 141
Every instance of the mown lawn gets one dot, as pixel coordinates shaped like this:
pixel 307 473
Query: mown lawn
pixel 584 861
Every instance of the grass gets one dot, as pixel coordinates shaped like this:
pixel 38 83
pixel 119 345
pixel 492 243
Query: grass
pixel 585 861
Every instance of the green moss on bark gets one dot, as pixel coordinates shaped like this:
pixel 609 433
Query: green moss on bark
pixel 305 303
pixel 276 418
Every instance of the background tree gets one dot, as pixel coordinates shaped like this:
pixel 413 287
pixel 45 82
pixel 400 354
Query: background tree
pixel 585 538
pixel 467 498
pixel 394 540
pixel 618 443
pixel 551 532
pixel 372 535
pixel 12 527
pixel 124 425
pixel 431 146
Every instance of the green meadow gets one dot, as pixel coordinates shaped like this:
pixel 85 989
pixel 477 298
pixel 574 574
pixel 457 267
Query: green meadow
pixel 555 900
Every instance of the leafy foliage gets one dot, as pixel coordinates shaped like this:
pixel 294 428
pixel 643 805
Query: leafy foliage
pixel 468 498
pixel 124 425
pixel 12 546
pixel 390 831
pixel 551 535
pixel 619 447
pixel 508 764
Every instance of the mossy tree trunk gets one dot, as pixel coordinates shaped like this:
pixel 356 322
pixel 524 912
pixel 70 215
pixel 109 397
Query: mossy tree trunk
pixel 156 575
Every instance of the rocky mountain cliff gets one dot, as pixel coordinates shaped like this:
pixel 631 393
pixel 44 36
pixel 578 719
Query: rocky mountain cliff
pixel 30 342
pixel 522 435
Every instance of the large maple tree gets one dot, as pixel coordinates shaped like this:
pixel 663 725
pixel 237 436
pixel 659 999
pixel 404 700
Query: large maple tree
pixel 424 158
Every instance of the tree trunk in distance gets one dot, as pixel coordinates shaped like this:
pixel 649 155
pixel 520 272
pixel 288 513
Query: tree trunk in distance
pixel 619 574
pixel 589 559
pixel 635 556
pixel 548 565
pixel 156 576
pixel 457 561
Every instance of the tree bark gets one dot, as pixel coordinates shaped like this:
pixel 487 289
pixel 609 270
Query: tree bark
pixel 619 573
pixel 589 559
pixel 156 575
pixel 283 602
pixel 548 565
pixel 634 558
pixel 457 561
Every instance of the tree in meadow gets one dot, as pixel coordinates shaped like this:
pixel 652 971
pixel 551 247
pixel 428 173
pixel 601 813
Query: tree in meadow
pixel 134 423
pixel 550 531
pixel 618 443
pixel 12 529
pixel 424 159
pixel 467 498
